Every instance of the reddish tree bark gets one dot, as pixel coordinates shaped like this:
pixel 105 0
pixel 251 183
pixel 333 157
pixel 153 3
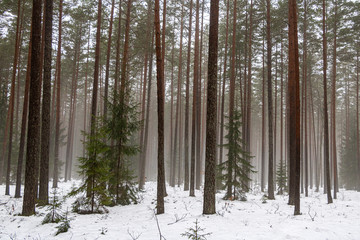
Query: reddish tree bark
pixel 23 124
pixel 33 135
pixel 294 110
pixel 58 96
pixel 326 119
pixel 10 114
pixel 194 160
pixel 160 107
pixel 187 106
pixel 45 123
pixel 108 55
pixel 223 84
pixel 270 105
pixel 210 154
pixel 333 108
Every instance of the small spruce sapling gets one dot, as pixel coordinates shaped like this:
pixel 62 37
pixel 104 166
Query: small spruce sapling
pixel 54 216
pixel 235 172
pixel 95 170
pixel 120 128
pixel 194 233
pixel 64 226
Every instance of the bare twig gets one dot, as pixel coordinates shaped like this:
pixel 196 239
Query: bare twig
pixel 134 235
pixel 158 226
pixel 311 216
pixel 178 219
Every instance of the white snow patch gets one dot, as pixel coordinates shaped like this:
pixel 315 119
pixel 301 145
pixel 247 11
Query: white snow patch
pixel 234 219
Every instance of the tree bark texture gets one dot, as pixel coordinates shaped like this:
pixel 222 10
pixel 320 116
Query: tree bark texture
pixel 210 154
pixel 33 136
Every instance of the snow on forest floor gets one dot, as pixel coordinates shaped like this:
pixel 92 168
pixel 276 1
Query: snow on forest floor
pixel 234 219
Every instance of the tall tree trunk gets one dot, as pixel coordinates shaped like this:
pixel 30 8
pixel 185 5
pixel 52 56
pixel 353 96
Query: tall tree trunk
pixel 95 90
pixel 178 97
pixel 160 97
pixel 326 119
pixel 58 95
pixel 33 136
pixel 187 106
pixel 72 110
pixel 108 55
pixel 210 154
pixel 194 160
pixel 143 153
pixel 69 154
pixel 270 105
pixel 294 109
pixel 86 91
pixel 231 107
pixel 305 105
pixel 223 84
pixel 357 113
pixel 117 59
pixel 123 86
pixel 198 146
pixel 172 159
pixel 23 123
pixel 45 123
pixel 281 112
pixel 147 122
pixel 10 114
pixel 333 108
pixel 263 136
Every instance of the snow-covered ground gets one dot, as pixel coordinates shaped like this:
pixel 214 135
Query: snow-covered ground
pixel 234 219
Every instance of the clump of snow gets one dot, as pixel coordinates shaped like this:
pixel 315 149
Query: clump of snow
pixel 249 219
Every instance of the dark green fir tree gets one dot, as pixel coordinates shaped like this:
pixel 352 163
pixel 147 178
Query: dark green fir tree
pixel 235 172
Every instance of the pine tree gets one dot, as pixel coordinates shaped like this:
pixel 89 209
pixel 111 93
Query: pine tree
pixel 210 155
pixel 33 137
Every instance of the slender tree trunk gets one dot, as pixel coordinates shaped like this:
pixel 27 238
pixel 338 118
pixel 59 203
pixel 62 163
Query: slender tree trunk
pixel 45 124
pixel 357 114
pixel 294 109
pixel 172 159
pixel 123 87
pixel 86 92
pixel 210 154
pixel 23 123
pixel 223 84
pixel 270 105
pixel 160 97
pixel 143 153
pixel 263 136
pixel 326 119
pixel 147 122
pixel 231 107
pixel 198 146
pixel 281 113
pixel 194 160
pixel 333 108
pixel 108 56
pixel 178 98
pixel 10 114
pixel 58 95
pixel 305 105
pixel 90 181
pixel 118 40
pixel 72 110
pixel 33 136
pixel 249 89
pixel 187 106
